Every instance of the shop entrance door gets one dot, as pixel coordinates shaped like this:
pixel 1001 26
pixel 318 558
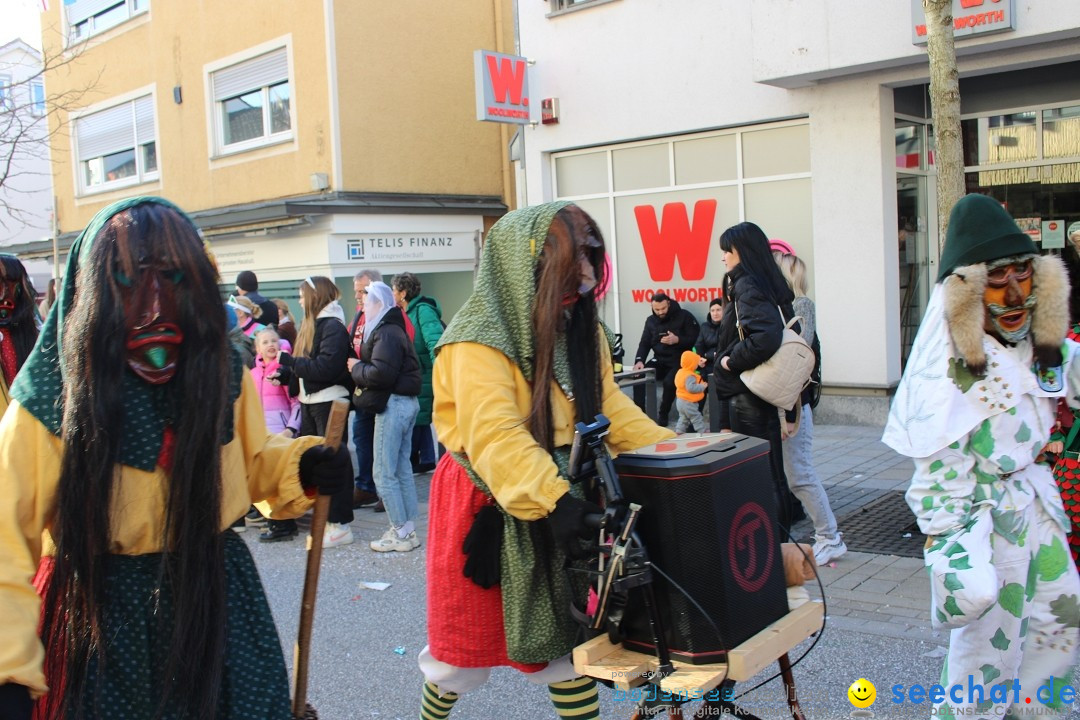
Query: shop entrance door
pixel 918 256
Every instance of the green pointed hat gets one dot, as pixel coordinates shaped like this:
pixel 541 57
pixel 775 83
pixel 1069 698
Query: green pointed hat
pixel 981 230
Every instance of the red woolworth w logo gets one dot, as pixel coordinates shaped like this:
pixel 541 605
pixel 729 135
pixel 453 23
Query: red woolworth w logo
pixel 676 237
pixel 507 78
pixel 751 547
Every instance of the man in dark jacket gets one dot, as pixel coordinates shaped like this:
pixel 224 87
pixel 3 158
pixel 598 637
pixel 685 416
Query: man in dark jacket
pixel 247 284
pixel 668 332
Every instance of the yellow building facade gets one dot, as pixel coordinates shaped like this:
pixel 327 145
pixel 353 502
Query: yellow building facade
pixel 304 136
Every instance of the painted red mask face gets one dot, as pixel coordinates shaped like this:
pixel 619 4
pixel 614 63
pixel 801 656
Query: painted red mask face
pixel 153 337
pixel 9 296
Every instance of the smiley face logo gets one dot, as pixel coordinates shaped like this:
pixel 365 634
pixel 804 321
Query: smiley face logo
pixel 862 693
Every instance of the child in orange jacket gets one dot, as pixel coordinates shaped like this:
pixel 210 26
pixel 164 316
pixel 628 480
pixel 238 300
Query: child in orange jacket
pixel 689 391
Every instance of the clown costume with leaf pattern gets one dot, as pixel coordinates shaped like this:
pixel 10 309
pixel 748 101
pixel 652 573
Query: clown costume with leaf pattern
pixel 974 410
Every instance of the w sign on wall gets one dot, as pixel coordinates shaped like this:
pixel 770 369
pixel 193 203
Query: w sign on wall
pixel 502 88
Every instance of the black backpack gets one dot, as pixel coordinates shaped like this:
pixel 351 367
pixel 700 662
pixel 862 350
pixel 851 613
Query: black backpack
pixel 814 389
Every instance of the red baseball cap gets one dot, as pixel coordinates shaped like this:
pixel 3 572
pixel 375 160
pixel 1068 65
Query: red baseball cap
pixel 781 247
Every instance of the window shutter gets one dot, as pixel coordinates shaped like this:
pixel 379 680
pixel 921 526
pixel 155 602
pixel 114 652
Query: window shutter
pixel 144 120
pixel 268 69
pixel 82 9
pixel 105 132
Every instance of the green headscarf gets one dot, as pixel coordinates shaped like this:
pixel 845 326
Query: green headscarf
pixel 39 386
pixel 505 289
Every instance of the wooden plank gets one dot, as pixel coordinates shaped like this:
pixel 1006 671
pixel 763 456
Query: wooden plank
pixel 593 650
pixel 752 656
pixel 689 680
pixel 600 659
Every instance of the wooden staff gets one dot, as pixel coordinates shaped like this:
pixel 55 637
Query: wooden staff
pixel 335 428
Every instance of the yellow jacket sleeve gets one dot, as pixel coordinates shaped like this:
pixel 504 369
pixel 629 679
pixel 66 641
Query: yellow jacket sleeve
pixel 481 402
pixel 631 428
pixel 270 462
pixel 29 472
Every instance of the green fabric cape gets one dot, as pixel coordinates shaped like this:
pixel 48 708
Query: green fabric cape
pixel 535 589
pixel 39 386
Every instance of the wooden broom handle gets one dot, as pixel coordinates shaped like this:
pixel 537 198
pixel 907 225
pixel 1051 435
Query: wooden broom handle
pixel 335 428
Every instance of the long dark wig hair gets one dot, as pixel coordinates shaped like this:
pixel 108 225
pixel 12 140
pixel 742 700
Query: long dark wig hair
pixel 573 235
pixel 756 260
pixel 23 325
pixel 192 568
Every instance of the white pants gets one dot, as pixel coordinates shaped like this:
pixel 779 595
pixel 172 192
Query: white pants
pixel 449 678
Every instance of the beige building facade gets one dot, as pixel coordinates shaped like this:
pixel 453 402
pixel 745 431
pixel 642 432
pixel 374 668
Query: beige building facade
pixel 312 137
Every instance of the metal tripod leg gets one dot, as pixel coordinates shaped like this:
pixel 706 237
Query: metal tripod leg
pixel 789 688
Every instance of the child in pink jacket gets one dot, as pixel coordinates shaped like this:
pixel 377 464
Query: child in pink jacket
pixel 282 412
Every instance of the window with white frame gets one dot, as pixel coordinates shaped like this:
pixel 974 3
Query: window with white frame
pixel 37 98
pixel 252 102
pixel 117 146
pixel 90 17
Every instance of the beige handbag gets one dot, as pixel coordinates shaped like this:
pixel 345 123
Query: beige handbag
pixel 781 379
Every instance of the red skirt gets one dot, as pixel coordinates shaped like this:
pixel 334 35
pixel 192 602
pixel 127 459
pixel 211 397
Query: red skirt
pixel 465 621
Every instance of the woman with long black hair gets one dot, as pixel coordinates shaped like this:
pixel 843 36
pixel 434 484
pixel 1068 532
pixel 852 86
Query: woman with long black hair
pixel 758 304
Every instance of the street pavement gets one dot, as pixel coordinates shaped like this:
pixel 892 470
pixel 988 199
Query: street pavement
pixel 366 641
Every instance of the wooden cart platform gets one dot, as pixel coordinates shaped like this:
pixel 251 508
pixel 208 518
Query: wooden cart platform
pixel 600 659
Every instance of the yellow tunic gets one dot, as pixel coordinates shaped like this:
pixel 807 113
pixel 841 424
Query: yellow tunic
pixel 255 466
pixel 481 402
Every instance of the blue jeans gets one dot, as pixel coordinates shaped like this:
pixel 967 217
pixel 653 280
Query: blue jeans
pixel 423 447
pixel 392 469
pixel 803 480
pixel 363 438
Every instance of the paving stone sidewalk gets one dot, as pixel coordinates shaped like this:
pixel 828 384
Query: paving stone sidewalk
pixel 876 594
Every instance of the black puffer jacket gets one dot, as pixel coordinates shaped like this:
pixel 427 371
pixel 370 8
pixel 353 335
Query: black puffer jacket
pixel 708 344
pixel 762 329
pixel 679 321
pixel 390 363
pixel 326 364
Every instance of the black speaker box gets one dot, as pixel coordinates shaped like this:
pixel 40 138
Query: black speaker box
pixel 708 520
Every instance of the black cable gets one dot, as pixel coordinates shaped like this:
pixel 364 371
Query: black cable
pixel 719 635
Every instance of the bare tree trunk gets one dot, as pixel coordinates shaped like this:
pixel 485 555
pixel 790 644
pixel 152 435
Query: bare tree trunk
pixel 945 104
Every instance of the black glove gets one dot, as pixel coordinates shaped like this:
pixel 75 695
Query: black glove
pixel 286 359
pixel 483 547
pixel 567 522
pixel 15 702
pixel 327 469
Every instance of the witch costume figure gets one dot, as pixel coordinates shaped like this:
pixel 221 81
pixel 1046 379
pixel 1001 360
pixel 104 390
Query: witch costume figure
pixel 503 513
pixel 18 323
pixel 974 410
pixel 133 441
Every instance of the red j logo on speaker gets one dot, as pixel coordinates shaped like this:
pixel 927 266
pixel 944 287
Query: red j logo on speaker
pixel 751 547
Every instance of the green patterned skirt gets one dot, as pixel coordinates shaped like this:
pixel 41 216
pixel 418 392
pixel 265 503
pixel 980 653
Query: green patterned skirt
pixel 254 685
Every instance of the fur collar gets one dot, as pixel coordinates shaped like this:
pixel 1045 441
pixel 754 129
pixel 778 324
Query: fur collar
pixel 965 311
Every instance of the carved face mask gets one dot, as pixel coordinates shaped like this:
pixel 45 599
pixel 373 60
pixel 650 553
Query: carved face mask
pixel 9 296
pixel 153 337
pixel 1008 298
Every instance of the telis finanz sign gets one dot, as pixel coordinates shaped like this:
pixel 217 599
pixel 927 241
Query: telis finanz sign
pixel 502 88
pixel 970 18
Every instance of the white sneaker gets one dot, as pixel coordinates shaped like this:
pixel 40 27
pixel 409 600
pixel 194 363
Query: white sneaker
pixel 825 551
pixel 390 542
pixel 336 534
